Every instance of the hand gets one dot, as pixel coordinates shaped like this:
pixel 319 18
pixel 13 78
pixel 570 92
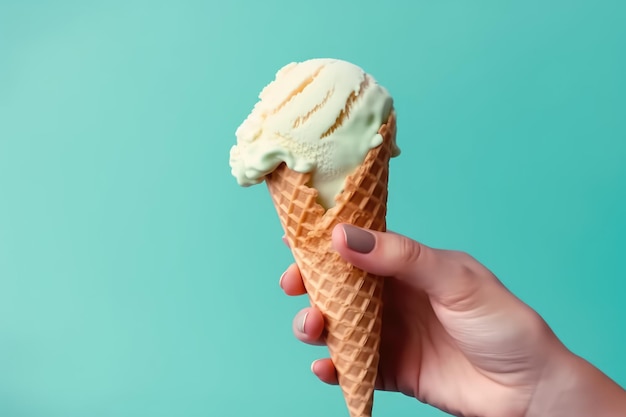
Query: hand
pixel 456 338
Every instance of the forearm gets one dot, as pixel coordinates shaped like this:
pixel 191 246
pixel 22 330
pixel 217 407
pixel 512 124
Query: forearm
pixel 572 387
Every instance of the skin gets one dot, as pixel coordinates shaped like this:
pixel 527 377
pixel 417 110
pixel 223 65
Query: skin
pixel 455 338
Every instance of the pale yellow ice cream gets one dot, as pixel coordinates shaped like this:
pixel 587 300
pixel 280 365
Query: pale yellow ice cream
pixel 320 116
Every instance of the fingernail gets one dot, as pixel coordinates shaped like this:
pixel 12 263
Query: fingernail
pixel 280 281
pixel 359 240
pixel 302 321
pixel 313 366
pixel 285 241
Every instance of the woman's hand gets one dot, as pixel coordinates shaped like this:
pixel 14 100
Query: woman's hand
pixel 454 337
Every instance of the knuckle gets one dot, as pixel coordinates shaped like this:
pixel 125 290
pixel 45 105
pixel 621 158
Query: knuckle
pixel 467 266
pixel 535 324
pixel 463 258
pixel 409 252
pixel 468 278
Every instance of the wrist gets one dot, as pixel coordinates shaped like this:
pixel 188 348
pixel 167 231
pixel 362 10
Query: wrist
pixel 572 387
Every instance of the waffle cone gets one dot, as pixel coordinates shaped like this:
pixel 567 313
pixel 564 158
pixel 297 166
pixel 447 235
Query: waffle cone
pixel 350 299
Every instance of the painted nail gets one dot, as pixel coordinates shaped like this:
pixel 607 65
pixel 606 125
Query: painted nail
pixel 359 240
pixel 302 321
pixel 313 366
pixel 280 281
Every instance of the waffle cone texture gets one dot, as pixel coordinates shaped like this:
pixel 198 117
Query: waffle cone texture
pixel 350 299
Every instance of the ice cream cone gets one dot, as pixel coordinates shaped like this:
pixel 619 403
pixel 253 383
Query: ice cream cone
pixel 349 298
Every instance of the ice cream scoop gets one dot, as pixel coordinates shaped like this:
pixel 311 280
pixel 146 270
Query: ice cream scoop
pixel 320 116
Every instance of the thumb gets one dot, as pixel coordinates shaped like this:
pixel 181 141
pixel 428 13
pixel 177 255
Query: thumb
pixel 448 277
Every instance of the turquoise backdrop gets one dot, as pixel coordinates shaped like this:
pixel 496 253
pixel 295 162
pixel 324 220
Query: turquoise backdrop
pixel 137 279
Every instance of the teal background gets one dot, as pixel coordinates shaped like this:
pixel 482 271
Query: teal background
pixel 137 279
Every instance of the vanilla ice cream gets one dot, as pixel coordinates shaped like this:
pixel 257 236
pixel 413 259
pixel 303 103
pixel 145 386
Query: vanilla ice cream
pixel 320 116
